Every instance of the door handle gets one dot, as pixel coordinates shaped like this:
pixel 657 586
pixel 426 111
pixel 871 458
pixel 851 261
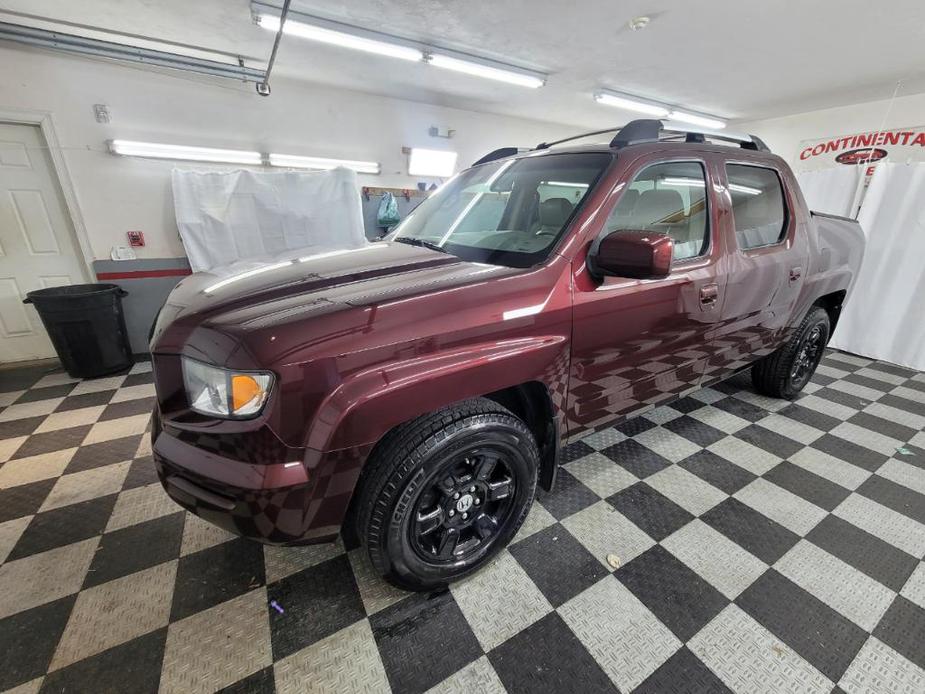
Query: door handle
pixel 708 295
pixel 795 274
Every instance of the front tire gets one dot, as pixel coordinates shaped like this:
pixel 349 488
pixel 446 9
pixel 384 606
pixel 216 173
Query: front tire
pixel 787 370
pixel 444 493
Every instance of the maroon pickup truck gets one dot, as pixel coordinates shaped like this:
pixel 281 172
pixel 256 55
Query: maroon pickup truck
pixel 415 392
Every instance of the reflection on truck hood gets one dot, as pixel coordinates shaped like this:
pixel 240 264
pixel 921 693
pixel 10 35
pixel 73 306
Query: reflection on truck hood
pixel 280 291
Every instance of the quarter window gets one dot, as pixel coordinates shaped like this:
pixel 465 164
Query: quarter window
pixel 757 205
pixel 670 198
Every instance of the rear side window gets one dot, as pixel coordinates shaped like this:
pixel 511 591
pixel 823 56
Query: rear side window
pixel 670 198
pixel 757 205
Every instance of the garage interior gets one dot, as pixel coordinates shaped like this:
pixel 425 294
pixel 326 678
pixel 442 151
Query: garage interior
pixel 725 542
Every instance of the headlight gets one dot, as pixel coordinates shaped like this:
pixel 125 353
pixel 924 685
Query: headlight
pixel 222 393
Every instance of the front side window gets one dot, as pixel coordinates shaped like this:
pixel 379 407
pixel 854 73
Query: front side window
pixel 670 198
pixel 507 212
pixel 757 205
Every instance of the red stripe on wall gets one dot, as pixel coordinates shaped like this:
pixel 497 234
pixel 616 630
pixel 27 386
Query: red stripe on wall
pixel 141 274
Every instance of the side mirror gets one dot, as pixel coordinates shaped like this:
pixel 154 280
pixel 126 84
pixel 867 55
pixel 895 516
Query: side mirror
pixel 630 253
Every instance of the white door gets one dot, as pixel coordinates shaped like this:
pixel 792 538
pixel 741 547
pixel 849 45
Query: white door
pixel 37 245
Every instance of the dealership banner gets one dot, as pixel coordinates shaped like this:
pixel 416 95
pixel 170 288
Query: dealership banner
pixel 903 145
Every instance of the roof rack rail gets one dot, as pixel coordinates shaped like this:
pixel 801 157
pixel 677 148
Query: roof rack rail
pixel 547 145
pixel 650 130
pixel 500 153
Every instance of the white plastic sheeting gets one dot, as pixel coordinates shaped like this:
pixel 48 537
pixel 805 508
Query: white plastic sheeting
pixel 885 315
pixel 831 190
pixel 251 217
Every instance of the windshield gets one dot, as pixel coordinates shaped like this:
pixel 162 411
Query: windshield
pixel 504 213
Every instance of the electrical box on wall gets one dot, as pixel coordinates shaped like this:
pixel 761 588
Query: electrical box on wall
pixel 136 238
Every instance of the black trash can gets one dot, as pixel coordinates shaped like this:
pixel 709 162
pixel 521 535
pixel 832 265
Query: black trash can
pixel 87 327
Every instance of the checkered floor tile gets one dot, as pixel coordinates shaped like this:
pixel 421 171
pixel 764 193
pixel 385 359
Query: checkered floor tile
pixel 729 542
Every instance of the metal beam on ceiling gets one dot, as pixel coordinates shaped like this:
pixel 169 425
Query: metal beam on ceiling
pixel 71 43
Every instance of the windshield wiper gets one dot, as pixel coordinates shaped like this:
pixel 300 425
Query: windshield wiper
pixel 412 241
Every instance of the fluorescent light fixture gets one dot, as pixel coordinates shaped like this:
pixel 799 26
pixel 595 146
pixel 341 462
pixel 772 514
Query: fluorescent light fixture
pixel 293 161
pixel 340 38
pixel 685 182
pixel 631 104
pixel 161 151
pixel 568 184
pixel 695 119
pixel 471 67
pixel 748 190
pixel 431 162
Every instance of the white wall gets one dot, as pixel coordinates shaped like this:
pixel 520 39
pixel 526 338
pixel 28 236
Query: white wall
pixel 117 194
pixel 783 135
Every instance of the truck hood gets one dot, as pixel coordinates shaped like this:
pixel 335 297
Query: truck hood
pixel 296 288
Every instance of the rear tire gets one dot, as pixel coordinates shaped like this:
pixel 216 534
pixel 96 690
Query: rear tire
pixel 442 494
pixel 787 370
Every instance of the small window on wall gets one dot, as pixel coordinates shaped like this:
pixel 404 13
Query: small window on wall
pixel 670 198
pixel 757 205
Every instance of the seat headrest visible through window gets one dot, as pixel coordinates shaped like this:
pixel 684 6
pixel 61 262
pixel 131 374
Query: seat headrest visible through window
pixel 662 206
pixel 554 213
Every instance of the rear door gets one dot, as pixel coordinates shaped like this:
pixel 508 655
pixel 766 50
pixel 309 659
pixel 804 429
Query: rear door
pixel 767 259
pixel 638 343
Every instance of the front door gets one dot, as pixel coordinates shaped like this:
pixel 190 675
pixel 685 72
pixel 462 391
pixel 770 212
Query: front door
pixel 638 343
pixel 37 244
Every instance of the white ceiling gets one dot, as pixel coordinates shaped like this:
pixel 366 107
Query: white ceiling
pixel 738 59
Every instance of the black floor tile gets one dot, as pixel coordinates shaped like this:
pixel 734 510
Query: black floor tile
pixel 902 628
pixel 548 657
pixel 96 455
pixel 876 558
pixel 740 408
pixel 128 408
pixel 682 673
pixel 652 511
pixel 761 536
pixel 835 363
pixel 694 430
pixel 28 641
pixel 423 639
pixel 23 500
pixel 138 379
pixel 567 497
pixel 19 427
pixel 22 378
pixel 140 473
pixel 136 547
pixel 842 398
pixel 317 602
pixel 810 417
pixel 849 452
pixel 904 404
pixel 134 666
pixel 869 382
pixel 635 425
pixel 718 471
pixel 574 451
pixel 819 634
pixel 687 404
pixel 261 682
pixel 767 440
pixel 895 496
pixel 883 426
pixel 50 441
pixel 808 485
pixel 557 563
pixel 638 459
pixel 214 575
pixel 36 394
pixel 78 402
pixel 675 594
pixel 893 369
pixel 63 526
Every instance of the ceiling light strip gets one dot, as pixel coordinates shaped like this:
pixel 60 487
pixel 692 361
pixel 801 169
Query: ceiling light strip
pixel 157 150
pixel 658 110
pixel 347 36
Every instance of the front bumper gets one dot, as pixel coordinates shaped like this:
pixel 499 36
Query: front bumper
pixel 297 496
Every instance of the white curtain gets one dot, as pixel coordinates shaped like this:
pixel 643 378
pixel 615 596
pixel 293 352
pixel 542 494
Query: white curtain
pixel 885 316
pixel 244 218
pixel 831 190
